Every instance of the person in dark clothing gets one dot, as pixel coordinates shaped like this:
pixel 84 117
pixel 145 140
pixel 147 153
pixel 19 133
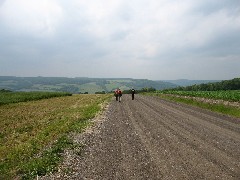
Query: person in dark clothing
pixel 133 92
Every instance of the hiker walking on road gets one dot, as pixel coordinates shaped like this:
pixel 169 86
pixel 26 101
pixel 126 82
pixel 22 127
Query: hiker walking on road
pixel 133 92
pixel 116 94
pixel 119 95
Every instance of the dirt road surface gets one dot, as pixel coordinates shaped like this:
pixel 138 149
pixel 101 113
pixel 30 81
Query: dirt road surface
pixel 151 138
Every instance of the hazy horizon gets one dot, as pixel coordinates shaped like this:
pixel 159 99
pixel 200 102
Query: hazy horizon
pixel 118 78
pixel 140 39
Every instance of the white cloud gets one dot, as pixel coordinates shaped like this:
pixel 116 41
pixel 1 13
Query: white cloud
pixel 148 37
pixel 38 17
pixel 207 28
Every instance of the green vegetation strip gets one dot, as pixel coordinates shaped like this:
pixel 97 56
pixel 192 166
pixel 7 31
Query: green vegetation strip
pixel 220 108
pixel 230 95
pixel 15 97
pixel 34 134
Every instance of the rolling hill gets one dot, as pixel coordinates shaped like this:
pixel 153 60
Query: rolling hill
pixel 187 82
pixel 78 84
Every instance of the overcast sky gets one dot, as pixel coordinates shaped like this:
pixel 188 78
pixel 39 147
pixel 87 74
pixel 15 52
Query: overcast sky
pixel 151 39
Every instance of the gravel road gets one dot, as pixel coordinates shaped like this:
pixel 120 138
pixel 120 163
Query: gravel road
pixel 151 138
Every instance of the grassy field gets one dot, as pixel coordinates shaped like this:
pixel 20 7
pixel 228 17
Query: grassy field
pixel 15 97
pixel 34 133
pixel 220 108
pixel 91 88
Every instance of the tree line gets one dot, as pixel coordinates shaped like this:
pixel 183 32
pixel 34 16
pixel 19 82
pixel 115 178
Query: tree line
pixel 233 84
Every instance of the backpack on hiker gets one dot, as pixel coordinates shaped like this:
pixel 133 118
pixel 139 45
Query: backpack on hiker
pixel 119 92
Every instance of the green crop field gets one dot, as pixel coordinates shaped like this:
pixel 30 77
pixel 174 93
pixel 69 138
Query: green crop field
pixel 15 97
pixel 233 95
pixel 34 133
pixel 91 88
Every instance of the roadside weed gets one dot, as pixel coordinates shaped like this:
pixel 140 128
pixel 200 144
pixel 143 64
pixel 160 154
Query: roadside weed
pixel 34 134
pixel 220 108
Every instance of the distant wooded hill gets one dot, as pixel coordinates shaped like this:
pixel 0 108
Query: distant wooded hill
pixel 187 82
pixel 233 84
pixel 78 85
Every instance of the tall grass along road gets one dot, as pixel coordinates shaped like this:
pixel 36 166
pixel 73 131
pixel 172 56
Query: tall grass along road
pixel 34 134
pixel 151 138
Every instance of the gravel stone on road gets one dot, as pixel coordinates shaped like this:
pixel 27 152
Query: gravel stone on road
pixel 152 138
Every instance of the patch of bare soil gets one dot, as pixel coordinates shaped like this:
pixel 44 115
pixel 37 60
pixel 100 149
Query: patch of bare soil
pixel 151 138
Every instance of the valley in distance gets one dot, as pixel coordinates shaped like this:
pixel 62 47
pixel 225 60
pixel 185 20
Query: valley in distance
pixel 80 85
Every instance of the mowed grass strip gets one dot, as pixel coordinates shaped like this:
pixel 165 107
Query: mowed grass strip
pixel 27 128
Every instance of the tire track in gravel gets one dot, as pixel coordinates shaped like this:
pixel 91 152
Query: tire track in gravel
pixel 192 123
pixel 202 140
pixel 214 155
pixel 151 138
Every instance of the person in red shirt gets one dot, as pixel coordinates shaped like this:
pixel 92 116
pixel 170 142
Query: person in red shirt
pixel 116 94
pixel 119 95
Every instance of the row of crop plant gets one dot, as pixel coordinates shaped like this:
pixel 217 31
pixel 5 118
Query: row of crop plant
pixel 15 97
pixel 233 95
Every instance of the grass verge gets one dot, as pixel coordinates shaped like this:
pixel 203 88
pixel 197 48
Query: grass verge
pixel 220 108
pixel 34 134
pixel 47 162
